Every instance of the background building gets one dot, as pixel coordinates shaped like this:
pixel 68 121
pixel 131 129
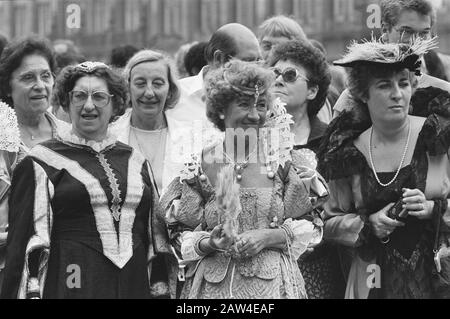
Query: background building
pixel 167 24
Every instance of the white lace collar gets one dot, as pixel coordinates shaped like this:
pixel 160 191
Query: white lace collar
pixel 67 135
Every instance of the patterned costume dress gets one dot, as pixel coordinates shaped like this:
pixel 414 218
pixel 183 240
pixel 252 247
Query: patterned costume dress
pixel 191 212
pixel 84 209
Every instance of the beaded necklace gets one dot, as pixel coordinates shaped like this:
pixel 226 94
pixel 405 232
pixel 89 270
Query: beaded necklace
pixel 401 162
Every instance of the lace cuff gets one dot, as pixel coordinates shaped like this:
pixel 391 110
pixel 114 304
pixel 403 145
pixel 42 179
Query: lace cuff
pixel 189 245
pixel 9 129
pixel 303 234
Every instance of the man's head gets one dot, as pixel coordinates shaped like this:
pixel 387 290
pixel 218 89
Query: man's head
pixel 194 60
pixel 404 19
pixel 121 54
pixel 232 40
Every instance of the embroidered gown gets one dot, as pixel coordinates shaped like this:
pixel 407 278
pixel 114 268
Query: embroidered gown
pixel 191 213
pixel 407 260
pixel 82 221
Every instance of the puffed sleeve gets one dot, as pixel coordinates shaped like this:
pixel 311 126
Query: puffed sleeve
pixel 183 206
pixel 302 234
pixel 30 219
pixel 342 224
pixel 6 162
pixel 305 191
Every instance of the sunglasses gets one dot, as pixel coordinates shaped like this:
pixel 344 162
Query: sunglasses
pixel 289 75
pixel 99 98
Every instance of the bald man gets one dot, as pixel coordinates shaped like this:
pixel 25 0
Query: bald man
pixel 232 40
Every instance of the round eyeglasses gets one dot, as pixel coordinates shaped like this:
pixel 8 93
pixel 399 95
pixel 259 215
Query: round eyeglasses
pixel 289 74
pixel 99 98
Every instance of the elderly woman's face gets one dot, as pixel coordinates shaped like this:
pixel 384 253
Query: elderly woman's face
pixel 389 97
pixel 90 108
pixel 291 85
pixel 149 87
pixel 32 85
pixel 243 113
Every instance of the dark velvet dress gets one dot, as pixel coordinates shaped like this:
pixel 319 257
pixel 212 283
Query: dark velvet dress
pixel 406 261
pixel 81 222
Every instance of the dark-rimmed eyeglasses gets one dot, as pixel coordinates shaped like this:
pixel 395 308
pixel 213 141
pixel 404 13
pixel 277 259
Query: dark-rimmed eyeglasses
pixel 289 75
pixel 408 34
pixel 99 98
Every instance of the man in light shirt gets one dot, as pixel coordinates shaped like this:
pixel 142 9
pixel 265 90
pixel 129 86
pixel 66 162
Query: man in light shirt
pixel 232 40
pixel 400 22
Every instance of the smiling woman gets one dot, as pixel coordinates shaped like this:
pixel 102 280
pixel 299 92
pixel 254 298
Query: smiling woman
pixel 26 84
pixel 153 86
pixel 90 203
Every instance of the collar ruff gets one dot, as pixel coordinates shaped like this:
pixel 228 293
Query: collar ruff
pixel 68 136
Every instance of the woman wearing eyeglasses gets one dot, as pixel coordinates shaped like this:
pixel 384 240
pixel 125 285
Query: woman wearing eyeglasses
pixel 302 81
pixel 82 205
pixel 26 84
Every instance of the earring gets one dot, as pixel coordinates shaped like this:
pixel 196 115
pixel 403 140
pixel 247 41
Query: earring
pixel 222 117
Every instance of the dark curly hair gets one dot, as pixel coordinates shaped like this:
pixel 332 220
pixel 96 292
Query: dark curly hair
pixel 359 78
pixel 228 83
pixel 12 57
pixel 315 64
pixel 66 80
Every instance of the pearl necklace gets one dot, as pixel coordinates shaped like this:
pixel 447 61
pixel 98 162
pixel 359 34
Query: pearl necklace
pixel 401 162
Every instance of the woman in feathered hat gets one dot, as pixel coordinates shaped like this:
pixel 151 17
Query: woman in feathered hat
pixel 376 156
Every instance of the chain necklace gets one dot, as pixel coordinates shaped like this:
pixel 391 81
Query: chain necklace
pixel 28 132
pixel 239 167
pixel 401 162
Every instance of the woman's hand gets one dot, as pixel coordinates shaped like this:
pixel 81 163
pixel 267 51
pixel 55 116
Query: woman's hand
pixel 382 225
pixel 220 240
pixel 252 242
pixel 416 203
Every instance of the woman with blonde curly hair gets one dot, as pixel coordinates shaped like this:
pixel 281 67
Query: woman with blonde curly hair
pixel 240 215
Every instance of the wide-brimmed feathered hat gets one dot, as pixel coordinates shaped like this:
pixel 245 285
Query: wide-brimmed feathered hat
pixel 397 55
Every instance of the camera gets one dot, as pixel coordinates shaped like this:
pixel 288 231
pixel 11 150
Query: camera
pixel 397 212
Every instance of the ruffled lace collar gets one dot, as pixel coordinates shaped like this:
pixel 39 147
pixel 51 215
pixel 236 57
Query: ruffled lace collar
pixel 66 135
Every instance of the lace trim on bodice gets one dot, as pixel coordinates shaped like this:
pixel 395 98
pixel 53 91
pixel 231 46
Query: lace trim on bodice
pixel 113 183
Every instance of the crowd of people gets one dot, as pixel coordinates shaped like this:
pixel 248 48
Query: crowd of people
pixel 244 167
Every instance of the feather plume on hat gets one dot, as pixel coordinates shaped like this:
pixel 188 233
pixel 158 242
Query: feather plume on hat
pixel 396 54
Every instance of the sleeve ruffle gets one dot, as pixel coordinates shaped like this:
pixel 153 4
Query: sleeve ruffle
pixel 183 202
pixel 305 189
pixel 435 133
pixel 189 241
pixel 337 155
pixel 305 234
